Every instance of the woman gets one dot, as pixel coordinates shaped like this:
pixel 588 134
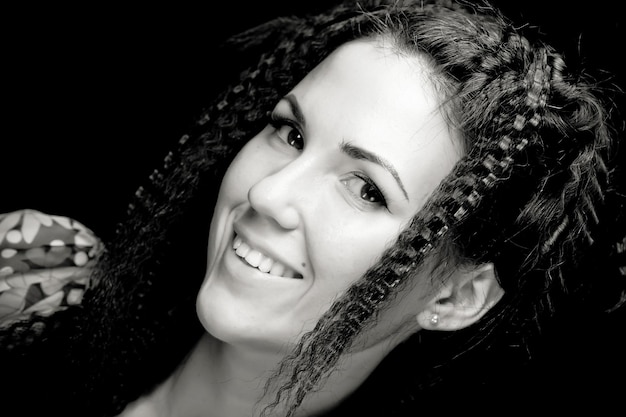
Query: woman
pixel 399 194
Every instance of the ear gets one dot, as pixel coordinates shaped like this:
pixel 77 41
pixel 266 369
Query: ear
pixel 462 300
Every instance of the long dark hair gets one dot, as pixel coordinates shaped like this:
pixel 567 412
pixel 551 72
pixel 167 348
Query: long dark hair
pixel 531 196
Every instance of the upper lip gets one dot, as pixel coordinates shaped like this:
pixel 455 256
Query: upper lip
pixel 262 246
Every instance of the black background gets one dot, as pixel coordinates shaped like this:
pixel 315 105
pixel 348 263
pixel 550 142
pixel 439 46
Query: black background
pixel 94 96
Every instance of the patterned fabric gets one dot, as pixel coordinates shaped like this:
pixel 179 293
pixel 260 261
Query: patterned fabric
pixel 45 263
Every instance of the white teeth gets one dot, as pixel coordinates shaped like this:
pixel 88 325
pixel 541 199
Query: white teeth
pixel 243 250
pixel 266 264
pixel 277 269
pixel 260 261
pixel 254 258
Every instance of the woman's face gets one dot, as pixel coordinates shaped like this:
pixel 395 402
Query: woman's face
pixel 311 202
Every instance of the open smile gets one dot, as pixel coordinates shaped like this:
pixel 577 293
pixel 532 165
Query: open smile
pixel 261 261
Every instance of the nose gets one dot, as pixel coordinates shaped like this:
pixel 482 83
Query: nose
pixel 275 196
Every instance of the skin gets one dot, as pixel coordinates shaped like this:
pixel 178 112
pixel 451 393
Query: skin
pixel 304 207
pixel 349 156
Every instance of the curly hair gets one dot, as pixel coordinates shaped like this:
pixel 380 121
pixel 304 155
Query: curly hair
pixel 530 195
pixel 525 197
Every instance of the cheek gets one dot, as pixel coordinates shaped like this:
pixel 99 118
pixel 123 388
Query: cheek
pixel 340 259
pixel 237 181
pixel 344 251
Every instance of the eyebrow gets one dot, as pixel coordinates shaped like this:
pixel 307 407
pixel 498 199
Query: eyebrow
pixel 360 153
pixel 347 148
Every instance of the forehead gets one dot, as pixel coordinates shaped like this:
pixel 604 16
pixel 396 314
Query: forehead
pixel 369 93
pixel 373 87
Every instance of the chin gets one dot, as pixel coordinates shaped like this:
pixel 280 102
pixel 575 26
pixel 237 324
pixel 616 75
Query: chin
pixel 233 322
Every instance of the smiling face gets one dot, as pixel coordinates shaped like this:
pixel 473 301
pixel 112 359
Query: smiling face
pixel 310 203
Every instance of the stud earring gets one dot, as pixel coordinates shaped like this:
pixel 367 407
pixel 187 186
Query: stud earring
pixel 434 319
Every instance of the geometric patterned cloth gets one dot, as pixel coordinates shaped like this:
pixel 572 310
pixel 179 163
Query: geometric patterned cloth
pixel 45 263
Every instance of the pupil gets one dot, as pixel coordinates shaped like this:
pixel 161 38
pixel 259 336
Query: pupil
pixel 294 139
pixel 368 192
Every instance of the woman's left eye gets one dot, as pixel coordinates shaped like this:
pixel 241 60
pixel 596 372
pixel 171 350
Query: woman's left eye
pixel 365 189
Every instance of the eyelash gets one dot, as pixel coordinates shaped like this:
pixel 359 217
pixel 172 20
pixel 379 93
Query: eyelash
pixel 367 180
pixel 278 121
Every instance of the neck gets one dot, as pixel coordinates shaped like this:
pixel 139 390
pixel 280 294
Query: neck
pixel 219 379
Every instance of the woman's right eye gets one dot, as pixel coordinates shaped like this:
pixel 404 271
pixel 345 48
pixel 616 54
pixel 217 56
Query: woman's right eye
pixel 287 131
